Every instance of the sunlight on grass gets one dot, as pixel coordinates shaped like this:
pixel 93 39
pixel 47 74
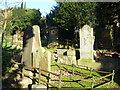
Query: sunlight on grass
pixel 77 78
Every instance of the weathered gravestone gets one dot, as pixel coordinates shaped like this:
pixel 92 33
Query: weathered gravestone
pixel 33 54
pixel 53 38
pixel 31 43
pixel 86 46
pixel 66 56
pixel 71 57
pixel 53 35
pixel 86 43
pixel 42 60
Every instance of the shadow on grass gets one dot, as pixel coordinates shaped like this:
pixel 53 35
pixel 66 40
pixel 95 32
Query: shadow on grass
pixel 109 64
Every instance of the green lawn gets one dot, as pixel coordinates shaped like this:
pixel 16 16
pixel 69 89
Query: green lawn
pixel 75 79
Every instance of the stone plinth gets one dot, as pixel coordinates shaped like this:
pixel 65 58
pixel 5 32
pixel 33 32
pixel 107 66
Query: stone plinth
pixel 39 87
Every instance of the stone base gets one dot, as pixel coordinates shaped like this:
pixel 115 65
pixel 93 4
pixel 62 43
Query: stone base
pixel 36 87
pixel 89 63
pixel 24 82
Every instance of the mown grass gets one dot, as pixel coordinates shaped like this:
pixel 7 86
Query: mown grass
pixel 75 79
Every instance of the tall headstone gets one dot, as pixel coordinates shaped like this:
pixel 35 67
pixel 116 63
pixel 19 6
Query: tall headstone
pixel 31 43
pixel 86 48
pixel 86 43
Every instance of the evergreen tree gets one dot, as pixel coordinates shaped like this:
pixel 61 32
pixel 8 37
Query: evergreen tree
pixel 68 15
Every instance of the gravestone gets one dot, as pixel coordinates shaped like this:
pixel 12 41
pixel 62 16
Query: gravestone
pixel 42 60
pixel 53 34
pixel 66 56
pixel 86 43
pixel 53 38
pixel 86 46
pixel 31 43
pixel 33 54
pixel 72 57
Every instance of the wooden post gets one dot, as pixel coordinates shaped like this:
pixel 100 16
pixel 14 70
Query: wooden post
pixel 90 72
pixel 72 69
pixel 59 83
pixel 21 66
pixel 92 84
pixel 34 76
pixel 48 80
pixel 22 71
pixel 39 73
pixel 113 73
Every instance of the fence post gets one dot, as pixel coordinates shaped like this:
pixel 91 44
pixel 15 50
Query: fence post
pixel 21 66
pixel 39 73
pixel 72 69
pixel 34 75
pixel 59 84
pixel 90 72
pixel 48 79
pixel 113 73
pixel 92 84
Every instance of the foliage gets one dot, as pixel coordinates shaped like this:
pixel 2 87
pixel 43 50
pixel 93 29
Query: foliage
pixel 6 56
pixel 107 12
pixel 9 54
pixel 68 15
pixel 21 18
pixel 108 15
pixel 43 24
pixel 79 13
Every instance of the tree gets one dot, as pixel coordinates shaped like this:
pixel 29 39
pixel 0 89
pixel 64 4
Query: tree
pixel 18 18
pixel 108 16
pixel 22 17
pixel 68 15
pixel 6 13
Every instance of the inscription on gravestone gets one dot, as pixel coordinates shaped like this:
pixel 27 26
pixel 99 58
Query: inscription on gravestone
pixel 86 44
pixel 86 48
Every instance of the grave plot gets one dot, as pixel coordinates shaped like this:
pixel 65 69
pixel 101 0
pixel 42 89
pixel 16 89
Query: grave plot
pixel 75 77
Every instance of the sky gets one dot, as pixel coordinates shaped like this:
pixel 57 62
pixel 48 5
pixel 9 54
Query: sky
pixel 44 5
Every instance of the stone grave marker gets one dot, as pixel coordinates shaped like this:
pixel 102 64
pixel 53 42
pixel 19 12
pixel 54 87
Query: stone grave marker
pixel 86 46
pixel 86 43
pixel 42 60
pixel 72 57
pixel 53 35
pixel 31 43
pixel 33 54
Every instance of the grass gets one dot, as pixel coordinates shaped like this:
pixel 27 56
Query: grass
pixel 51 50
pixel 68 81
pixel 74 79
